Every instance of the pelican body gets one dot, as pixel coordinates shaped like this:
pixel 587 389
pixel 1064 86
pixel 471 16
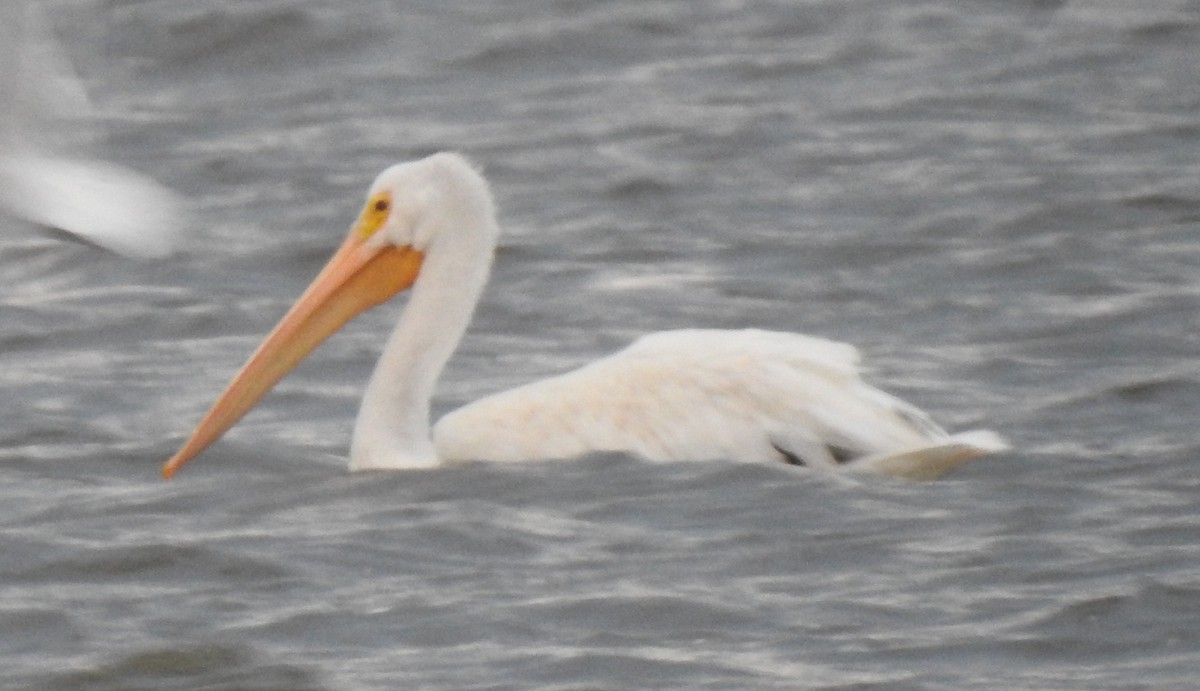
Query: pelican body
pixel 429 226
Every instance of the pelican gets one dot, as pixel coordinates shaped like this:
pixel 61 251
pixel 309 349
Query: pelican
pixel 758 396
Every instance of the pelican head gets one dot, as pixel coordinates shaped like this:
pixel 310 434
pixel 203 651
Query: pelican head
pixel 417 204
pixel 419 215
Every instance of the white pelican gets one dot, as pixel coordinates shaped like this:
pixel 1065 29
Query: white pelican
pixel 86 200
pixel 702 394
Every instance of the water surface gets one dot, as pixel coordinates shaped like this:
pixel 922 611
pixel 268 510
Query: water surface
pixel 995 201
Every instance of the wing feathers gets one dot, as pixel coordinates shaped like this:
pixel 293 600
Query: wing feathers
pixel 697 394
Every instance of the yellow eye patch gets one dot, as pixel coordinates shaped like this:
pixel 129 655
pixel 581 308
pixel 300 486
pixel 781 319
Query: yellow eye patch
pixel 374 214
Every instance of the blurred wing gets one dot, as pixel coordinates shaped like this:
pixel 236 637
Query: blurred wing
pixel 37 80
pixel 93 202
pixel 89 201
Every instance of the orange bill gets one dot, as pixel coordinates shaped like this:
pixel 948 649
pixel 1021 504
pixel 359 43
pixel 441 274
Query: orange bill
pixel 357 278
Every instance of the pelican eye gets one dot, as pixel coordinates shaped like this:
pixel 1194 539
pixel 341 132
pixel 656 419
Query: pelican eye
pixel 374 214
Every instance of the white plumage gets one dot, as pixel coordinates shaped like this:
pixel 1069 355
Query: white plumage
pixel 743 395
pixel 755 396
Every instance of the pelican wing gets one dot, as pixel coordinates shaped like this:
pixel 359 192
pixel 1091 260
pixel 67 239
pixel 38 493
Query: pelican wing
pixel 743 395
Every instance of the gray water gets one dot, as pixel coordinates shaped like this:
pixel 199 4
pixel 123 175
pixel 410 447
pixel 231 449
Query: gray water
pixel 996 201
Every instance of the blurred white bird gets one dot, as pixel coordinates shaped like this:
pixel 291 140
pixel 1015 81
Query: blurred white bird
pixel 90 201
